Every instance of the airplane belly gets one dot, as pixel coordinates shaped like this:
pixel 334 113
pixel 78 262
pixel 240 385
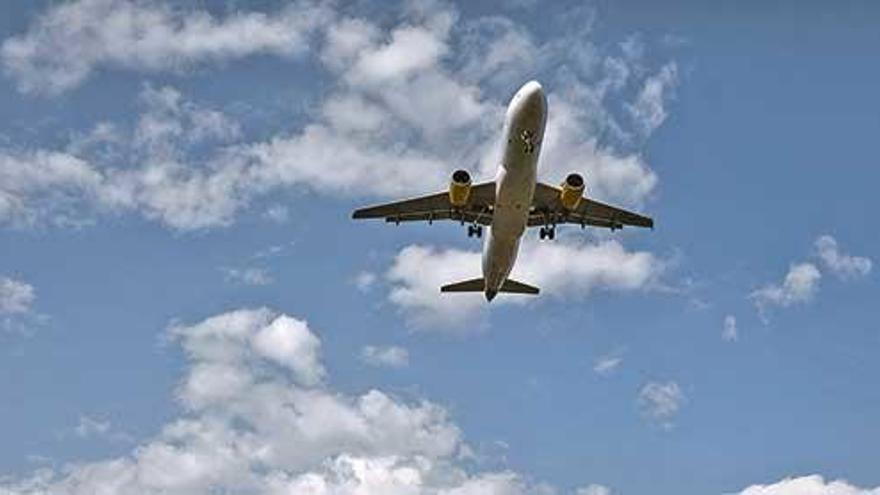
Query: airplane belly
pixel 513 197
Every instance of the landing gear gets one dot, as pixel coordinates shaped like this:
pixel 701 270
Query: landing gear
pixel 548 233
pixel 475 231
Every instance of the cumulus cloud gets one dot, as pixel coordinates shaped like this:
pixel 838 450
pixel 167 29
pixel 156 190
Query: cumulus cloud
pixel 661 401
pixel 70 40
pixel 259 419
pixel 391 356
pixel 800 285
pixel 729 332
pixel 802 281
pixel 809 485
pixel 368 135
pixel 16 296
pixel 842 265
pixel 561 269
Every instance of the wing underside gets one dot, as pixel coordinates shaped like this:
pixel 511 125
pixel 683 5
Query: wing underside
pixel 547 209
pixel 478 208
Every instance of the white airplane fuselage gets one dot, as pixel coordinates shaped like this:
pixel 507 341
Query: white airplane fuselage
pixel 515 183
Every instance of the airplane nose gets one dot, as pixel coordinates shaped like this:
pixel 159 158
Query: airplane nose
pixel 533 98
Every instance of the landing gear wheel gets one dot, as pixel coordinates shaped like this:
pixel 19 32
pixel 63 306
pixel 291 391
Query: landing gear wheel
pixel 548 233
pixel 475 231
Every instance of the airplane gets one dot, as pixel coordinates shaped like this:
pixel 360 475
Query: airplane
pixel 512 202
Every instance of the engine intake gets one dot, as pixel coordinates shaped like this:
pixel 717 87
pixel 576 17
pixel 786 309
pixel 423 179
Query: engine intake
pixel 460 188
pixel 572 191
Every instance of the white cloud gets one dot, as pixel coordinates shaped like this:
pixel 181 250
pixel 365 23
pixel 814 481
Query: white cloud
pixel 730 333
pixel 38 184
pixel 248 276
pixel 802 281
pixel 277 213
pixel 661 401
pixel 89 427
pixel 845 266
pixel 593 489
pixel 70 40
pixel 364 281
pixel 607 364
pixel 809 485
pixel 561 269
pixel 391 356
pixel 649 108
pixel 252 424
pixel 16 297
pixel 799 286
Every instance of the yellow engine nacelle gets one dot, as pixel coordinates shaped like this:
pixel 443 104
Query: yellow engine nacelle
pixel 572 191
pixel 460 188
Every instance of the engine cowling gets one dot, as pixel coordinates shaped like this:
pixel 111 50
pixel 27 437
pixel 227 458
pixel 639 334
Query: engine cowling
pixel 572 191
pixel 460 188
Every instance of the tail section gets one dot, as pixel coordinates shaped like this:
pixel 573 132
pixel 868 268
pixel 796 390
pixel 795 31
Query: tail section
pixel 479 285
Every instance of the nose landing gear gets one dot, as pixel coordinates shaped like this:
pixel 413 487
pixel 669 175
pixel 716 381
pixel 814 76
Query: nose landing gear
pixel 475 231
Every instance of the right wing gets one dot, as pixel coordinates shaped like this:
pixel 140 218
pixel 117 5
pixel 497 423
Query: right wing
pixel 547 209
pixel 437 207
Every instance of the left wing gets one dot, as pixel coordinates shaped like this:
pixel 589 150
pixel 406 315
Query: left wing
pixel 437 207
pixel 548 210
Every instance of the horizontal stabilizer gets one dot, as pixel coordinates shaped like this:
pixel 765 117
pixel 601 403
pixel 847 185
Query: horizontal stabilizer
pixel 473 285
pixel 479 285
pixel 515 287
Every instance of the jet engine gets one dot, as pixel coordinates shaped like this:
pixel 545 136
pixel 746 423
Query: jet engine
pixel 460 188
pixel 572 191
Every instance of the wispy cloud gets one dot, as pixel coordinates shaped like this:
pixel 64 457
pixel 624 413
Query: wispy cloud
pixel 16 296
pixel 730 332
pixel 365 280
pixel 608 363
pixel 90 427
pixel 661 402
pixel 649 109
pixel 247 276
pixel 390 356
pixel 593 489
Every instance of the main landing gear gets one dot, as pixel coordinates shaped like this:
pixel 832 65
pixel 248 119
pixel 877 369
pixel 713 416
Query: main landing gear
pixel 475 231
pixel 548 233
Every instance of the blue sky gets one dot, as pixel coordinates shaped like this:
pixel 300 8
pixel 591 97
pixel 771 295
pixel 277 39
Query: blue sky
pixel 186 306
